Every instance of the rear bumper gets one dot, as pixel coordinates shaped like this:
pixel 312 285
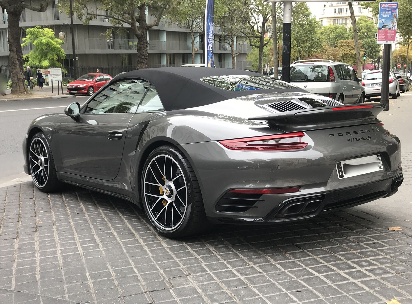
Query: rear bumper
pixel 306 206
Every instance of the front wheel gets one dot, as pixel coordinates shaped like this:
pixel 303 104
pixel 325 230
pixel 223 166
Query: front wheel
pixel 90 91
pixel 394 96
pixel 171 194
pixel 41 164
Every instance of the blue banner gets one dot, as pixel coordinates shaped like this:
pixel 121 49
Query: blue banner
pixel 209 37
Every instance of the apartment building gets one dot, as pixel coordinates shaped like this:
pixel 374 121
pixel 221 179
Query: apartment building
pixel 169 45
pixel 338 13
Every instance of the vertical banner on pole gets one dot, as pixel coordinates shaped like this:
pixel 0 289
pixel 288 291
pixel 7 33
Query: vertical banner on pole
pixel 209 37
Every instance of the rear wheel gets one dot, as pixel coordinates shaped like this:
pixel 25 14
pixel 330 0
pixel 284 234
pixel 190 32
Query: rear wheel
pixel 41 164
pixel 171 194
pixel 90 91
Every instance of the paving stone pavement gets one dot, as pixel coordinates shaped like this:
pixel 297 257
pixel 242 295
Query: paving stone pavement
pixel 85 247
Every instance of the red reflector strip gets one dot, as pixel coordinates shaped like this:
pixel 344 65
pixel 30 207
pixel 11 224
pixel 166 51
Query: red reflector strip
pixel 266 191
pixel 352 107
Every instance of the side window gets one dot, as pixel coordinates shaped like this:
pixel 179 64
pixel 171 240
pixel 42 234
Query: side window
pixel 100 78
pixel 123 96
pixel 352 73
pixel 339 71
pixel 151 102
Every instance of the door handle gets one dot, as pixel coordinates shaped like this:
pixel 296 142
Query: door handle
pixel 115 135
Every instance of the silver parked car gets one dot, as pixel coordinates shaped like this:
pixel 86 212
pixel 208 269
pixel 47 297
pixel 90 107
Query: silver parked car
pixel 372 82
pixel 327 78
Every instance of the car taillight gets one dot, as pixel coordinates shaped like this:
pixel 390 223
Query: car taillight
pixel 331 75
pixel 352 107
pixel 290 141
pixel 400 80
pixel 384 128
pixel 390 80
pixel 266 190
pixel 363 84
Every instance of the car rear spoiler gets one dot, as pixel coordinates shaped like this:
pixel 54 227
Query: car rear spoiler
pixel 323 117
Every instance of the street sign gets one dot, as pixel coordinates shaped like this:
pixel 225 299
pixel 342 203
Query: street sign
pixel 399 65
pixel 387 23
pixel 55 75
pixel 404 65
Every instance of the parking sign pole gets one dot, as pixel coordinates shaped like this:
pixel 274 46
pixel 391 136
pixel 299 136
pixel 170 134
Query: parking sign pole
pixel 385 77
pixel 287 31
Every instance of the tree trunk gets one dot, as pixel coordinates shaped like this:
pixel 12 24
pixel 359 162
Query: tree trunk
pixel 275 42
pixel 261 45
pixel 16 55
pixel 356 39
pixel 233 52
pixel 142 44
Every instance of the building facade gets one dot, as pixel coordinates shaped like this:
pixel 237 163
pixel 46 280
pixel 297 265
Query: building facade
pixel 338 13
pixel 169 44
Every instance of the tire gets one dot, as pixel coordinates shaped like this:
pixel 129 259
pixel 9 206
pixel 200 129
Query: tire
pixel 362 98
pixel 394 96
pixel 171 194
pixel 90 91
pixel 41 164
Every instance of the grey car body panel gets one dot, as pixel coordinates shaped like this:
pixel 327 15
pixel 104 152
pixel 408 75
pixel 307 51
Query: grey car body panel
pixel 196 133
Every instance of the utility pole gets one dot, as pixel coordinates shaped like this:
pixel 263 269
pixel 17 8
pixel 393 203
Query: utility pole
pixel 287 32
pixel 73 43
pixel 275 42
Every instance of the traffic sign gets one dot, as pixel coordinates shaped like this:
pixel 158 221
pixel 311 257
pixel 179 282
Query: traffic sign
pixel 404 65
pixel 399 65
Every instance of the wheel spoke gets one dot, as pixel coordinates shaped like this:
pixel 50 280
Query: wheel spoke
pixel 154 205
pixel 177 177
pixel 154 195
pixel 178 211
pixel 180 188
pixel 177 195
pixel 160 212
pixel 154 175
pixel 34 153
pixel 153 184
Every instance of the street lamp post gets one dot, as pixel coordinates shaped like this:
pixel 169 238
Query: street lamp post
pixel 73 43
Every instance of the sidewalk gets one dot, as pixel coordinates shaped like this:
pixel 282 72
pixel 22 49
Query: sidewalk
pixel 36 93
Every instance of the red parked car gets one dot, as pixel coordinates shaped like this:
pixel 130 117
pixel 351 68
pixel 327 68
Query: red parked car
pixel 88 83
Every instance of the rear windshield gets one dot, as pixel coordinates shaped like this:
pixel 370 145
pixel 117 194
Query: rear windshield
pixel 246 83
pixel 87 77
pixel 373 76
pixel 309 73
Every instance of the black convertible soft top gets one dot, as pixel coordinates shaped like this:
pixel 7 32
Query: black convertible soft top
pixel 181 87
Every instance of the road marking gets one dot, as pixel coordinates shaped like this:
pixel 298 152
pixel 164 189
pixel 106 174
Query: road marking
pixel 32 109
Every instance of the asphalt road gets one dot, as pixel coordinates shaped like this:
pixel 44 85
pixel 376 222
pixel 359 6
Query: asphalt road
pixel 15 117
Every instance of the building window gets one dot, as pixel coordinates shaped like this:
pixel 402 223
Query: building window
pixel 360 9
pixel 334 10
pixel 55 10
pixel 340 10
pixel 321 22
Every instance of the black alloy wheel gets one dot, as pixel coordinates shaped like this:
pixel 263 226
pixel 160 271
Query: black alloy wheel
pixel 90 91
pixel 41 164
pixel 171 194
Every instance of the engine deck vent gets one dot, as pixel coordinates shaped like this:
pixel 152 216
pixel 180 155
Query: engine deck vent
pixel 286 106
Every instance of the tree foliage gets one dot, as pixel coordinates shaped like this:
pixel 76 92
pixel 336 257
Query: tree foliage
pixel 264 58
pixel 47 48
pixel 260 13
pixel 121 13
pixel 189 14
pixel 332 34
pixel 232 19
pixel 14 10
pixel 366 33
pixel 305 40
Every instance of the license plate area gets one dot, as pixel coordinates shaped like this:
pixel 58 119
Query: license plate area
pixel 359 166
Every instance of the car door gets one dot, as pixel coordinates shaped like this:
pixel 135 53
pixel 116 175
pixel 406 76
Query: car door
pixel 348 86
pixel 93 145
pixel 356 85
pixel 99 82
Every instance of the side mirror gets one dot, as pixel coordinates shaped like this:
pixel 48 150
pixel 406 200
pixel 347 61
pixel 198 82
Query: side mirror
pixel 73 110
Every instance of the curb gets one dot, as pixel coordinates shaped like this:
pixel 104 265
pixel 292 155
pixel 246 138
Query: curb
pixel 39 97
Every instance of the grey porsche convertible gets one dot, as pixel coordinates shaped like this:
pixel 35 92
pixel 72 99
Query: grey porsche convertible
pixel 193 146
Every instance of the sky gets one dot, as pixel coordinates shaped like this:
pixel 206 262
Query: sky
pixel 316 8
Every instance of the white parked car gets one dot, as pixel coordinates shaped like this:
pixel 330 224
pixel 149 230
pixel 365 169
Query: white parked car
pixel 372 82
